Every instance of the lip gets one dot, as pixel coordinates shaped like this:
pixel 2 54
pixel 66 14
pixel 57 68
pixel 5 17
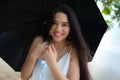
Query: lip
pixel 57 34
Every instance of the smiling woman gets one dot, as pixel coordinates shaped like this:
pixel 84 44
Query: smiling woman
pixel 61 54
pixel 60 27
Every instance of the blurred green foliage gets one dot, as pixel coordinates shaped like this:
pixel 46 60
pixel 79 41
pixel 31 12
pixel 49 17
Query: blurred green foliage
pixel 112 8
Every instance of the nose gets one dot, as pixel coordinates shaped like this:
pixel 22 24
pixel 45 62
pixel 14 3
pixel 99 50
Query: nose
pixel 58 27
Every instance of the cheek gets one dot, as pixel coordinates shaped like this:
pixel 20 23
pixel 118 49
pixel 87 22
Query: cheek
pixel 67 31
pixel 51 30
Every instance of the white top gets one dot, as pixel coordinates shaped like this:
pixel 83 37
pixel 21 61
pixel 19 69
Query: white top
pixel 63 64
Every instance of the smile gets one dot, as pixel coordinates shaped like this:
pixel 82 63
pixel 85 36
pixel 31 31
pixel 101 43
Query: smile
pixel 57 34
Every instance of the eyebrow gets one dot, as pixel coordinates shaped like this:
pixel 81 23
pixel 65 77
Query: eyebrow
pixel 62 22
pixel 65 22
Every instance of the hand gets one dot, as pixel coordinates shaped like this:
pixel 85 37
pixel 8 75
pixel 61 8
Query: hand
pixel 39 49
pixel 50 55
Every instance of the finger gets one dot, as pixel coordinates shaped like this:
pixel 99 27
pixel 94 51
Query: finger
pixel 49 48
pixel 45 54
pixel 53 48
pixel 45 49
pixel 45 44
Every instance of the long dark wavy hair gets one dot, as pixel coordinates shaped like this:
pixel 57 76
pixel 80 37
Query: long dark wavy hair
pixel 76 38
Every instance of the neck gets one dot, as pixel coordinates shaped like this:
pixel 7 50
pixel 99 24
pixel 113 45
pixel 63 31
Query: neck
pixel 59 46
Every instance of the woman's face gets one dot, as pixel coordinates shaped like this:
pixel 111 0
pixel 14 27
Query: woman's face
pixel 60 28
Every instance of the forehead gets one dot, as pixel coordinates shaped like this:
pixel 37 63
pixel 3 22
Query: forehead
pixel 60 16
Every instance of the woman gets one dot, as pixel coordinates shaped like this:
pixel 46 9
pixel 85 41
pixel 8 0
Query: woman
pixel 62 52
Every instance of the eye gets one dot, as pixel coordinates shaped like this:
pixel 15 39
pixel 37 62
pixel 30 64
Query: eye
pixel 65 25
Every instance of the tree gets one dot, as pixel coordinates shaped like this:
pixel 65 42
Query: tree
pixel 110 8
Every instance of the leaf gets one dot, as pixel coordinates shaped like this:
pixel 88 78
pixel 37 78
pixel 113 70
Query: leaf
pixel 106 11
pixel 110 1
pixel 107 21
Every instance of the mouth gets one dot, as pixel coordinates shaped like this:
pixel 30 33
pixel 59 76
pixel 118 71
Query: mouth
pixel 58 34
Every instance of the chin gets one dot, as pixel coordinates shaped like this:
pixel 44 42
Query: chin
pixel 57 40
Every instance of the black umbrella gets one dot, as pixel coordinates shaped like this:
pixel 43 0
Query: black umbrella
pixel 22 20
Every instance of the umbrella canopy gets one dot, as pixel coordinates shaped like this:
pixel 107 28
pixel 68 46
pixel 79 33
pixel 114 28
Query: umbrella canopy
pixel 22 20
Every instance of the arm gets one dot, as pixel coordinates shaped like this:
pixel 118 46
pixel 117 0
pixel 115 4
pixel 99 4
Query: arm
pixel 74 69
pixel 31 59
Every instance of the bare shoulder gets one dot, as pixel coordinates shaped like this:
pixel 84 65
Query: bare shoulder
pixel 38 39
pixel 74 54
